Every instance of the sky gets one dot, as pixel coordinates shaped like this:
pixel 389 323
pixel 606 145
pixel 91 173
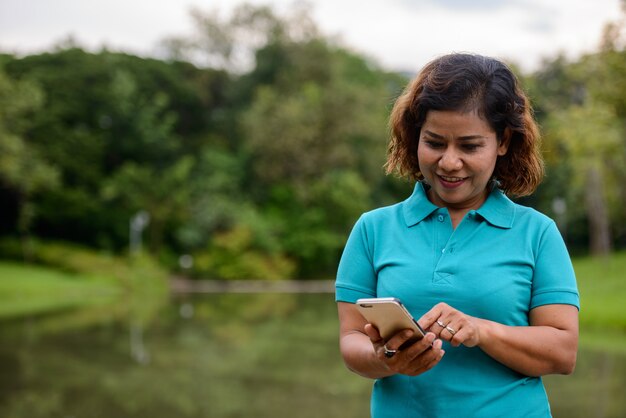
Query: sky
pixel 399 35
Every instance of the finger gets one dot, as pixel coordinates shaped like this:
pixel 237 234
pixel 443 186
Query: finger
pixel 448 332
pixel 395 342
pixel 456 340
pixel 421 346
pixel 427 360
pixel 373 334
pixel 437 344
pixel 463 336
pixel 439 325
pixel 430 317
pixel 433 354
pixel 433 359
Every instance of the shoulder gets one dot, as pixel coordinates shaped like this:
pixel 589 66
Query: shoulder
pixel 402 214
pixel 383 212
pixel 382 216
pixel 499 210
pixel 535 228
pixel 529 217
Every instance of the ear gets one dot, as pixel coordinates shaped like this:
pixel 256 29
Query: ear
pixel 503 146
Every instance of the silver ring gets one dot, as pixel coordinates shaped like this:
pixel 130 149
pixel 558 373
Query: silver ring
pixel 450 330
pixel 441 324
pixel 389 353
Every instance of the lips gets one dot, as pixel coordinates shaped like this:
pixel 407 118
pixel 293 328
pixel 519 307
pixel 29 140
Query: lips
pixel 451 182
pixel 452 179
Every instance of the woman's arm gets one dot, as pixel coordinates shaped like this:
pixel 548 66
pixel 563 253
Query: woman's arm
pixel 548 346
pixel 362 348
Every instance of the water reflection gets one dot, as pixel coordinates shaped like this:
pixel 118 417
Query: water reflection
pixel 138 350
pixel 236 355
pixel 595 390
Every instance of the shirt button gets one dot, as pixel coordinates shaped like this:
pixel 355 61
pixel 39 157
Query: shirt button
pixel 443 250
pixel 440 218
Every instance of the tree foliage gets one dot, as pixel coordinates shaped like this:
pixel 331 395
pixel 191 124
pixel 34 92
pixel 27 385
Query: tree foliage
pixel 583 109
pixel 24 172
pixel 258 142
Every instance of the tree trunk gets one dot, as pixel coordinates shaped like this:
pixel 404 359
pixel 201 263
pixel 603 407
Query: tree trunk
pixel 599 229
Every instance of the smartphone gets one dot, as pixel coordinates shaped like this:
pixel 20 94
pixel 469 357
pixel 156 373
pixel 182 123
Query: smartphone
pixel 389 316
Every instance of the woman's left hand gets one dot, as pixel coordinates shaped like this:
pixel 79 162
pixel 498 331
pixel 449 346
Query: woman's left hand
pixel 452 325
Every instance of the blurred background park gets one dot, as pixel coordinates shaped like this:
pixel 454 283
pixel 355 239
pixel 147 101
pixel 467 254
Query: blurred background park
pixel 140 187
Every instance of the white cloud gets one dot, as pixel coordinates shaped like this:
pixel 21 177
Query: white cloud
pixel 520 31
pixel 399 34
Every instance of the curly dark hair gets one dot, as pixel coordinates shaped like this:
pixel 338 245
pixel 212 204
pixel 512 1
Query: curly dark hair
pixel 469 82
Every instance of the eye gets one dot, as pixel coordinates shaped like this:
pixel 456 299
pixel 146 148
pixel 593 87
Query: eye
pixel 434 144
pixel 471 147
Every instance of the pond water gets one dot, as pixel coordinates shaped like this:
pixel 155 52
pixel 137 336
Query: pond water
pixel 222 355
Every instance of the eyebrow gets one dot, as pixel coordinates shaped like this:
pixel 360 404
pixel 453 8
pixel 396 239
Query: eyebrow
pixel 462 138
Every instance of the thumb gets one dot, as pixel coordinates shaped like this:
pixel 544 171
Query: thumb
pixel 372 333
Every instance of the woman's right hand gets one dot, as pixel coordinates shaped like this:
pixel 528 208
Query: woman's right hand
pixel 417 358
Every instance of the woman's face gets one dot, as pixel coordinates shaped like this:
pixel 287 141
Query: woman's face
pixel 457 154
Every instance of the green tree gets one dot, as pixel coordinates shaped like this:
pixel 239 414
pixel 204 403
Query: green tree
pixel 583 109
pixel 101 112
pixel 231 42
pixel 307 124
pixel 592 137
pixel 257 165
pixel 225 232
pixel 23 171
pixel 161 192
pixel 319 127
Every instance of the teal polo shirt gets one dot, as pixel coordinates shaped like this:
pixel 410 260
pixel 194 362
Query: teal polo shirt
pixel 500 262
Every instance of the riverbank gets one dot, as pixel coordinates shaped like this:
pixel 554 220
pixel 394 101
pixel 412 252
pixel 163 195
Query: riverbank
pixel 183 285
pixel 28 289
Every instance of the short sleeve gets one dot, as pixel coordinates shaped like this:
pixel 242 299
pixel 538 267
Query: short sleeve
pixel 356 277
pixel 554 280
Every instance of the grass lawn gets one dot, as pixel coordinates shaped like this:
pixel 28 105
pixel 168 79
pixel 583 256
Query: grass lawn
pixel 28 290
pixel 602 286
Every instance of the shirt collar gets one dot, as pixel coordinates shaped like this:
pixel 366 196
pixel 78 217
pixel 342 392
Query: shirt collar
pixel 417 207
pixel 498 210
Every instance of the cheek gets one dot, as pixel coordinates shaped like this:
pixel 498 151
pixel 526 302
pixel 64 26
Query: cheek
pixel 486 165
pixel 422 162
pixel 424 156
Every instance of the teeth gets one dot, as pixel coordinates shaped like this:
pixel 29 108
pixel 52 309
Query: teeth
pixel 451 179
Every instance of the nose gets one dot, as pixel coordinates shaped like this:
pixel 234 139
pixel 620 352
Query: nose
pixel 450 161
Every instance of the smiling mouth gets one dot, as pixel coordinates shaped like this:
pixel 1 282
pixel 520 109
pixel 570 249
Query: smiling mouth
pixel 452 179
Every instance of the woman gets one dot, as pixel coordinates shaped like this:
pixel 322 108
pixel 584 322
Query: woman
pixel 490 281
